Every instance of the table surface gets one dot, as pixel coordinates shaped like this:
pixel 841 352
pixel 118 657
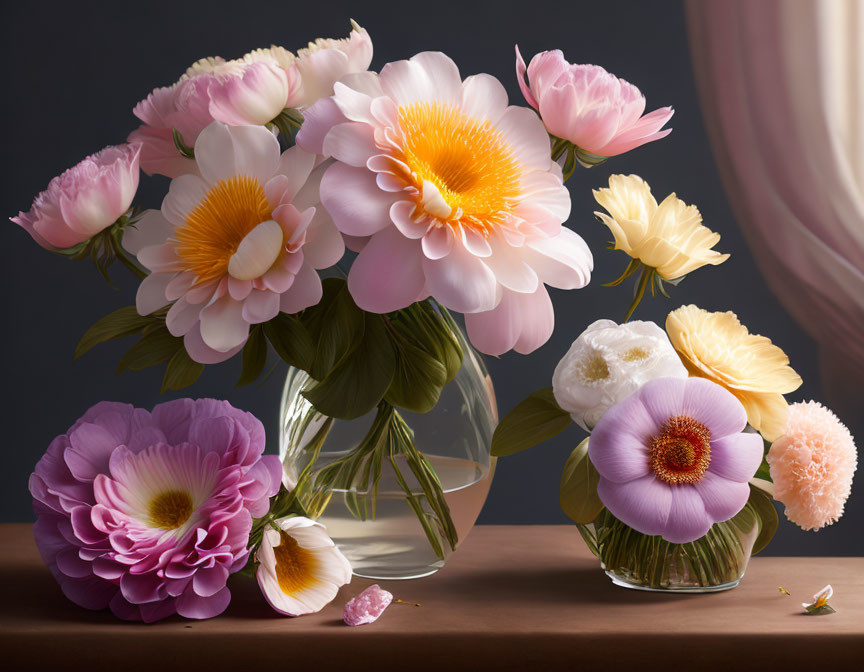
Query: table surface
pixel 511 597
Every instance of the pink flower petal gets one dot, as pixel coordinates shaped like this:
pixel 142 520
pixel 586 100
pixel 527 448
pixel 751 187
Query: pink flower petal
pixel 619 443
pixel 352 143
pixel 722 498
pixel 643 504
pixel 386 275
pixel 367 607
pixel 736 456
pixel 461 281
pixel 356 204
pixel 521 322
pixel 714 406
pixel 688 519
pixel 304 292
pixel 190 605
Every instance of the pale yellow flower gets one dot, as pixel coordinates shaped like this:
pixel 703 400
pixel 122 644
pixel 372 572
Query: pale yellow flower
pixel 669 237
pixel 718 347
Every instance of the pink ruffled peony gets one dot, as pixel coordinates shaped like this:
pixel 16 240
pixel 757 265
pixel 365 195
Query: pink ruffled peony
pixel 84 200
pixel 673 459
pixel 446 190
pixel 251 90
pixel 236 243
pixel 812 465
pixel 595 110
pixel 149 512
pixel 368 606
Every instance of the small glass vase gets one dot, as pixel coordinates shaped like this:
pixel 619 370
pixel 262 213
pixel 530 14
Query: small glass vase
pixel 709 564
pixel 380 530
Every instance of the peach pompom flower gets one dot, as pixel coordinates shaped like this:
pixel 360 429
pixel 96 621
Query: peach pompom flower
pixel 446 190
pixel 237 244
pixel 812 465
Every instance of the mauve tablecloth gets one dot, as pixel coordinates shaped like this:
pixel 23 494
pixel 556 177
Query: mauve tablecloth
pixel 513 598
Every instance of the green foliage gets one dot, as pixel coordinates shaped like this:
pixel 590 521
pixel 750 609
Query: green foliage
pixel 762 505
pixel 533 421
pixel 122 322
pixel 579 499
pixel 181 371
pixel 291 340
pixel 254 356
pixel 360 377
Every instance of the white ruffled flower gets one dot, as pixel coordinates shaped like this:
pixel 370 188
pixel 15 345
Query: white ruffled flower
pixel 607 363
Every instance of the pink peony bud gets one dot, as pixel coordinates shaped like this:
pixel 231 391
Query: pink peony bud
pixel 85 199
pixel 595 110
pixel 250 94
pixel 367 606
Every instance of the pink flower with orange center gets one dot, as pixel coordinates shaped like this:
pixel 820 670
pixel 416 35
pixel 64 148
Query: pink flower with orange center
pixel 236 243
pixel 446 190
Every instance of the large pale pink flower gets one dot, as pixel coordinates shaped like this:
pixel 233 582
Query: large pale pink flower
pixel 812 465
pixel 247 91
pixel 149 512
pixel 673 459
pixel 85 199
pixel 595 110
pixel 447 191
pixel 236 243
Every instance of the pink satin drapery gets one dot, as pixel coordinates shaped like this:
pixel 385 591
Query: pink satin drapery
pixel 782 90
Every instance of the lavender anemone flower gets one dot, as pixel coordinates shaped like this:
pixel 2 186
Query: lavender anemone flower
pixel 149 512
pixel 673 459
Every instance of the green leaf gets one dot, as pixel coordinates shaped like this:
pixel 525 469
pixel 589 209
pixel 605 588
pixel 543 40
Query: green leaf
pixel 182 147
pixel 336 326
pixel 291 340
pixel 763 505
pixel 532 421
pixel 254 356
pixel 358 382
pixel 441 338
pixel 418 379
pixel 122 322
pixel 181 372
pixel 579 499
pixel 155 347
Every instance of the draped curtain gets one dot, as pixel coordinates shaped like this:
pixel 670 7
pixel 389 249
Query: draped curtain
pixel 782 90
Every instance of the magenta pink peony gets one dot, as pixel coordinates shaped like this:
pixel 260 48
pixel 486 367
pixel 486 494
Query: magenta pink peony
pixel 84 200
pixel 368 606
pixel 673 459
pixel 147 513
pixel 595 110
pixel 236 243
pixel 446 190
pixel 812 465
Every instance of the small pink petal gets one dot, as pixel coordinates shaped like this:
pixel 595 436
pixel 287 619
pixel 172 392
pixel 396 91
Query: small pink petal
pixel 367 607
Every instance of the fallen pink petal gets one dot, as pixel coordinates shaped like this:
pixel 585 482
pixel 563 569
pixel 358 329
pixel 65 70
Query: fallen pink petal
pixel 368 606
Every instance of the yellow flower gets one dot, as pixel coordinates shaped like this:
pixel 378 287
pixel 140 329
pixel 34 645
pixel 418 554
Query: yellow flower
pixel 669 237
pixel 718 347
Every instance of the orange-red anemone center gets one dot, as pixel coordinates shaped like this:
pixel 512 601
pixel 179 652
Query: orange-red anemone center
pixel 681 452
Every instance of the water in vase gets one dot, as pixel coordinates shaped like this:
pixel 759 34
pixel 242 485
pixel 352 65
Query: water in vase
pixel 394 544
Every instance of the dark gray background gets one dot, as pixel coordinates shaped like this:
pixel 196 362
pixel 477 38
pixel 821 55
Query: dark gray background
pixel 74 70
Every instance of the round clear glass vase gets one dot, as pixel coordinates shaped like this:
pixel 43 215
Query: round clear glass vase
pixel 380 532
pixel 711 563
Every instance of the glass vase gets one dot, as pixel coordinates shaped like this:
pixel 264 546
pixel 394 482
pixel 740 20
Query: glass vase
pixel 711 563
pixel 391 531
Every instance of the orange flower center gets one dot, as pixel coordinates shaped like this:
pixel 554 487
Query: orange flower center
pixel 214 230
pixel 169 510
pixel 295 566
pixel 681 452
pixel 467 159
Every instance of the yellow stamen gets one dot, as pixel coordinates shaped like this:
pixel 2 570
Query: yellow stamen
pixel 467 160
pixel 681 452
pixel 635 354
pixel 595 369
pixel 295 565
pixel 215 229
pixel 169 510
